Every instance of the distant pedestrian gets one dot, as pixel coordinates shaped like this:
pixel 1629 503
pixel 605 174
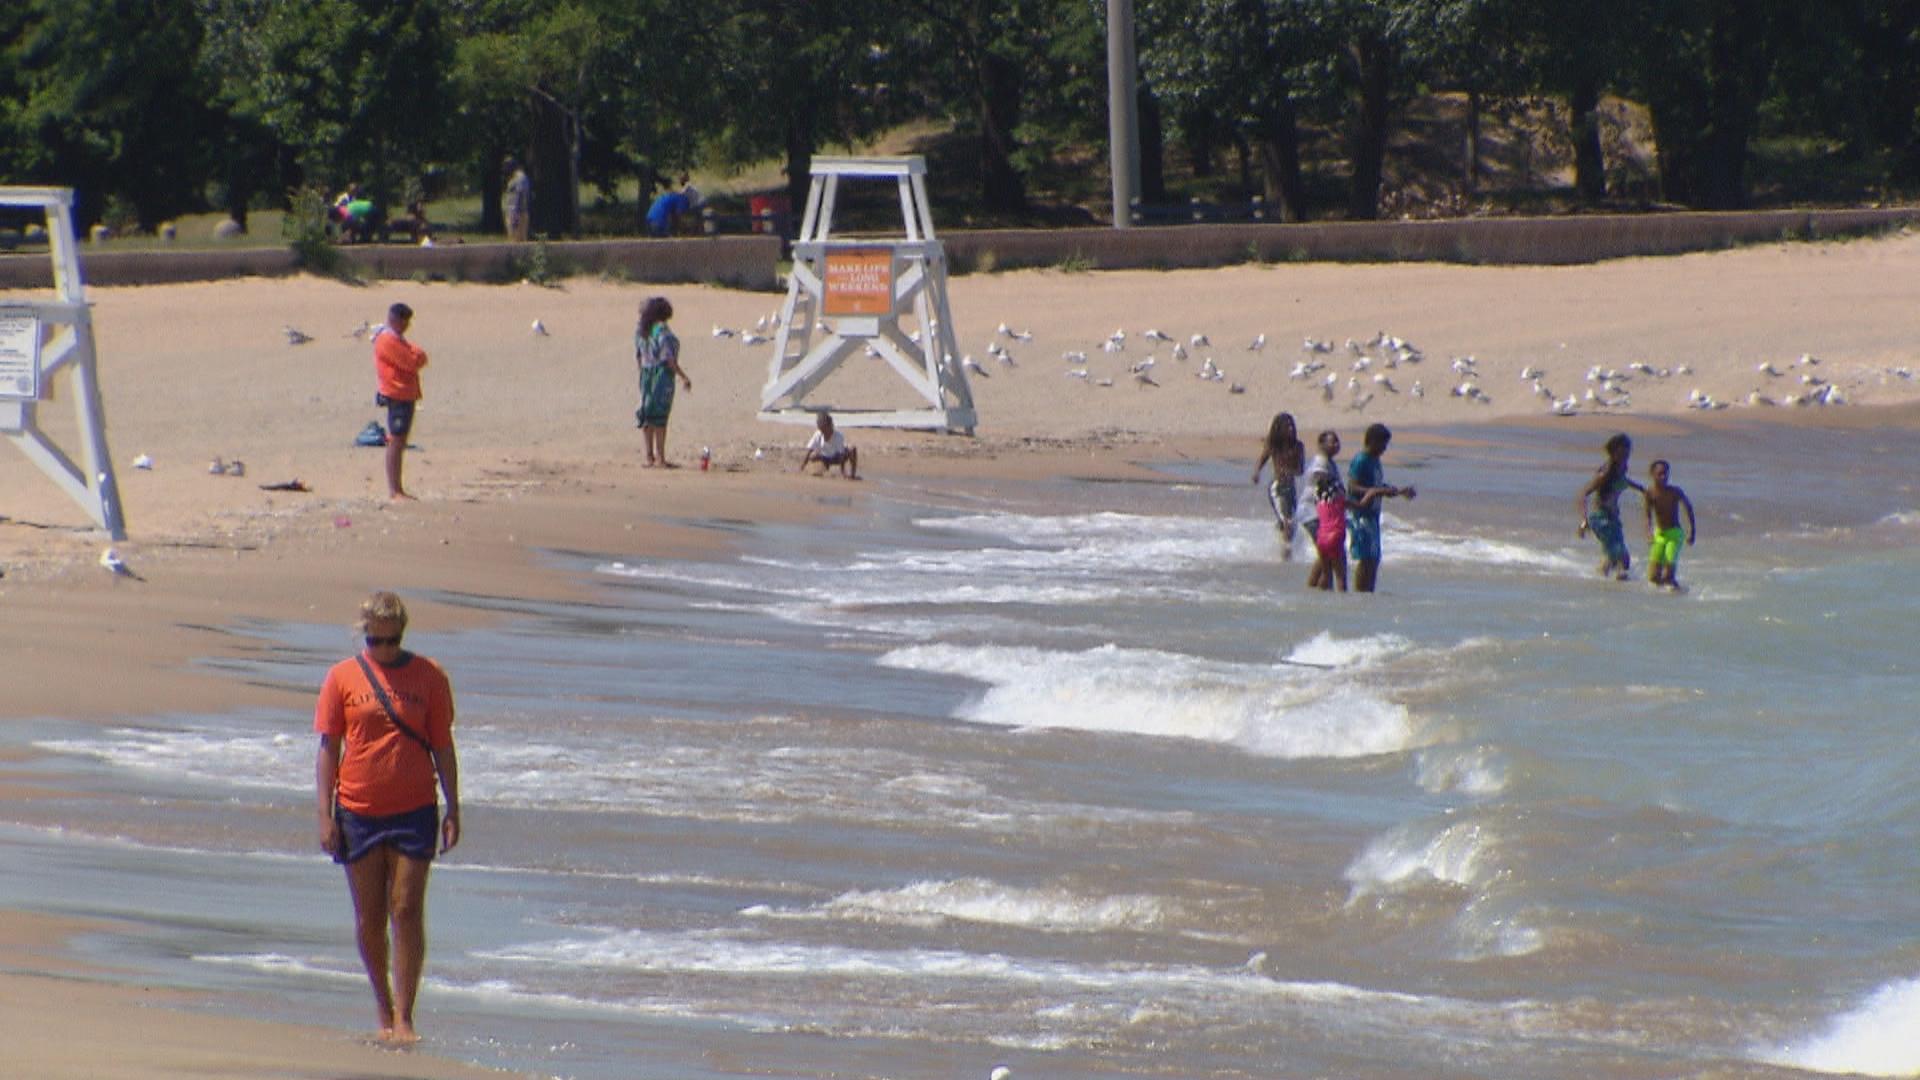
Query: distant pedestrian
pixel 1602 518
pixel 397 363
pixel 1284 449
pixel 1366 487
pixel 517 202
pixel 1662 504
pixel 663 217
pixel 658 352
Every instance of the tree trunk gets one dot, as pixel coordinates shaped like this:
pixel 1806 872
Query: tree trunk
pixel 1589 164
pixel 1279 141
pixel 800 144
pixel 1373 59
pixel 1153 148
pixel 1002 186
pixel 493 185
pixel 1470 181
pixel 549 168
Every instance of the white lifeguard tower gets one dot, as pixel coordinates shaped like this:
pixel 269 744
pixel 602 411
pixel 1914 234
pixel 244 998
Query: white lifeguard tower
pixel 39 337
pixel 854 292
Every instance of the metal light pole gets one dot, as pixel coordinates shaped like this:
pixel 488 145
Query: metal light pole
pixel 1123 122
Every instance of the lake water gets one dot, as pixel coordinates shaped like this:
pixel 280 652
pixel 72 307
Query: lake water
pixel 1076 777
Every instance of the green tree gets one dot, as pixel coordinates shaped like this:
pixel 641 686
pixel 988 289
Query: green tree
pixel 109 102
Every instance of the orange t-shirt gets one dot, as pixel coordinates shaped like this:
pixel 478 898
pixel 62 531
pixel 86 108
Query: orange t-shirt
pixel 398 363
pixel 382 771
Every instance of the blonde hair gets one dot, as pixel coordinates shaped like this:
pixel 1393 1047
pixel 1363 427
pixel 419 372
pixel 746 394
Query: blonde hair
pixel 383 607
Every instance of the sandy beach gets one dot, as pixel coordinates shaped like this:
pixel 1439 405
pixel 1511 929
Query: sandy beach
pixel 526 443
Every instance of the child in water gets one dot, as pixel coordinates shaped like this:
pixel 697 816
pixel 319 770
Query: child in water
pixel 1283 448
pixel 1330 539
pixel 1663 503
pixel 1325 467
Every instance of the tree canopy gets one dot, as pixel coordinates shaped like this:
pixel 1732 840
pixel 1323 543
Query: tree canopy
pixel 160 107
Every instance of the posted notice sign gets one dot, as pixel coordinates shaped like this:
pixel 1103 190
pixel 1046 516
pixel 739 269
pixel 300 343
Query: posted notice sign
pixel 19 354
pixel 859 282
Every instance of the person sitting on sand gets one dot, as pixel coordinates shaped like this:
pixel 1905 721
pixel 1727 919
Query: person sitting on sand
pixel 1603 519
pixel 1663 502
pixel 830 448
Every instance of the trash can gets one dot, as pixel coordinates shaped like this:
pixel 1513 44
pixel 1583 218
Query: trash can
pixel 770 212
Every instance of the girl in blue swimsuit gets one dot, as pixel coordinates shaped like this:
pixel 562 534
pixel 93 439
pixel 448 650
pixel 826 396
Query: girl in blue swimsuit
pixel 1603 518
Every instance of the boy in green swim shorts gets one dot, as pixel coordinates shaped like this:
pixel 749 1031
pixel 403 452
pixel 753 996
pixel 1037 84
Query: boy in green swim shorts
pixel 1663 503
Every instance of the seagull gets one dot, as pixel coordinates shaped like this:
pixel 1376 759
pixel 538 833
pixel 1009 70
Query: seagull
pixel 1385 383
pixel 361 331
pixel 1103 382
pixel 752 339
pixel 762 323
pixel 297 337
pixel 217 468
pixel 1074 356
pixel 1209 371
pixel 1236 388
pixel 143 462
pixel 1309 344
pixel 112 562
pixel 1005 357
pixel 1077 373
pixel 1540 389
pixel 1021 335
pixel 1417 390
pixel 1566 406
pixel 1300 371
pixel 1811 380
pixel 1118 337
pixel 721 331
pixel 1145 380
pixel 1808 359
pixel 1156 335
pixel 1683 369
pixel 1143 366
pixel 1758 398
pixel 539 328
pixel 1179 351
pixel 1360 403
pixel 1114 345
pixel 1831 395
pixel 1199 341
pixel 1464 364
pixel 974 366
pixel 1530 373
pixel 1363 363
pixel 1904 373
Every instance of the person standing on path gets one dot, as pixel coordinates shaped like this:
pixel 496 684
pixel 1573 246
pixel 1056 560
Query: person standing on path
pixel 658 352
pixel 517 203
pixel 397 363
pixel 385 720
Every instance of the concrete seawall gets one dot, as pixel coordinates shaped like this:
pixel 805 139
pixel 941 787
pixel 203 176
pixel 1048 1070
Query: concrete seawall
pixel 751 262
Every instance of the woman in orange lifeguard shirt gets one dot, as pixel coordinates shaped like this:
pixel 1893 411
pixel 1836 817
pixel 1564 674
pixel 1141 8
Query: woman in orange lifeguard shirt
pixel 374 781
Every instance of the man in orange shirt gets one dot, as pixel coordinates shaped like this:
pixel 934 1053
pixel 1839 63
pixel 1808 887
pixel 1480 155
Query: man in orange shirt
pixel 385 719
pixel 397 362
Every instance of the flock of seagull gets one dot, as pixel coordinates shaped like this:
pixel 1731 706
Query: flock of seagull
pixel 1360 371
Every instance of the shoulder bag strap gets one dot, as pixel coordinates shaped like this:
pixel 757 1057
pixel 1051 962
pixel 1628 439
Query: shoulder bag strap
pixel 386 704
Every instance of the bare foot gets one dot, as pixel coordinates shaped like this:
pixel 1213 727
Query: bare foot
pixel 401 496
pixel 401 1035
pixel 668 465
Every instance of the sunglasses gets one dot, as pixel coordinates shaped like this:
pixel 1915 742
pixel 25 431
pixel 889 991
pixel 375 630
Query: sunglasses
pixel 375 642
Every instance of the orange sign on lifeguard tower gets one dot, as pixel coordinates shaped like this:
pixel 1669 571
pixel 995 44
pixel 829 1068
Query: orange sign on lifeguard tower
pixel 859 282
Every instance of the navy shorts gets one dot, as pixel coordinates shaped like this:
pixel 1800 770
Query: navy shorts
pixel 415 833
pixel 399 414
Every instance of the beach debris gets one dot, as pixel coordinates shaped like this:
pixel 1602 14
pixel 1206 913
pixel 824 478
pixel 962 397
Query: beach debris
pixel 371 435
pixel 111 561
pixel 143 462
pixel 539 328
pixel 342 521
pixel 297 337
pixel 296 484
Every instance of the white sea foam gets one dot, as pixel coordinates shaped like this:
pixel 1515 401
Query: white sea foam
pixel 1277 710
pixel 1478 771
pixel 1420 854
pixel 198 750
pixel 1481 932
pixel 1878 1037
pixel 976 900
pixel 1409 543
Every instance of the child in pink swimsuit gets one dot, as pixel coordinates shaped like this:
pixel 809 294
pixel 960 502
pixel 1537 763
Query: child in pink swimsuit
pixel 1330 501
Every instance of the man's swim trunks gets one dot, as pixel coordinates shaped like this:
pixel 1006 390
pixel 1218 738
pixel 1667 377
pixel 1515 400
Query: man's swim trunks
pixel 1606 529
pixel 1665 548
pixel 1363 537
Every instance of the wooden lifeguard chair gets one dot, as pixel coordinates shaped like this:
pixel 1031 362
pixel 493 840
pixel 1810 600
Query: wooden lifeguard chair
pixel 854 293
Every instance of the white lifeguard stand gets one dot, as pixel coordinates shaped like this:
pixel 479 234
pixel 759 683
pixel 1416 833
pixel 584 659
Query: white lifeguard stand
pixel 38 337
pixel 865 286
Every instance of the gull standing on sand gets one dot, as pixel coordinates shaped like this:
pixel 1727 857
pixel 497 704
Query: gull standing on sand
pixel 297 337
pixel 111 561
